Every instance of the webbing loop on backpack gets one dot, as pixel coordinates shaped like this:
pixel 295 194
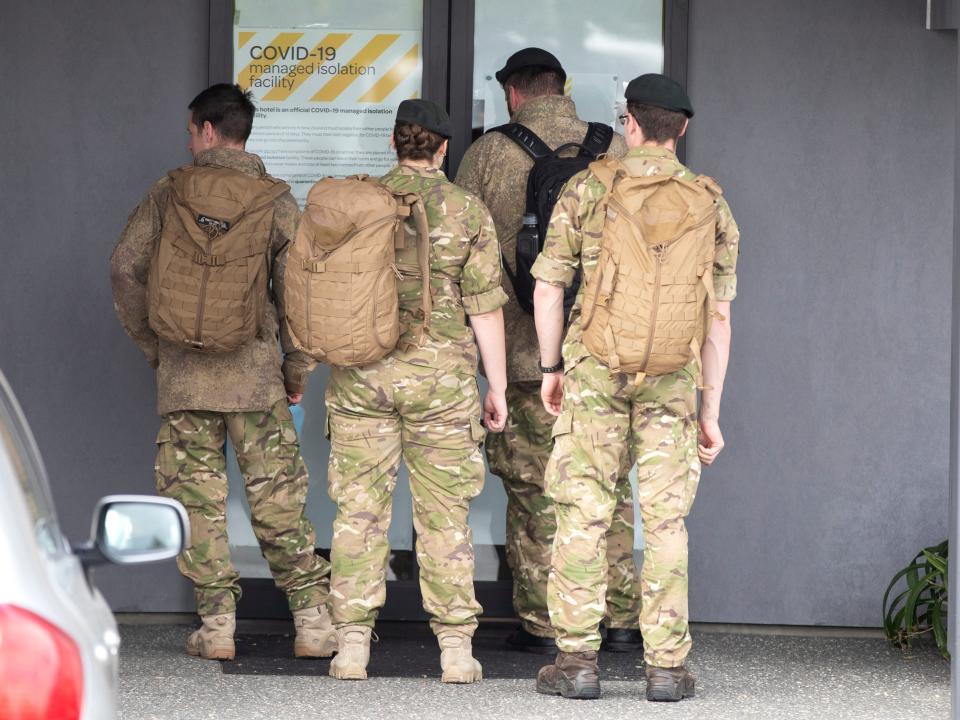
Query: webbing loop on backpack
pixel 319 266
pixel 201 258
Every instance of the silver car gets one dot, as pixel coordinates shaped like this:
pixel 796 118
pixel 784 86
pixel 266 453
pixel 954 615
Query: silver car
pixel 58 638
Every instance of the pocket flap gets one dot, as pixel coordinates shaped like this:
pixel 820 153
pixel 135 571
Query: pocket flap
pixel 477 431
pixel 165 433
pixel 563 425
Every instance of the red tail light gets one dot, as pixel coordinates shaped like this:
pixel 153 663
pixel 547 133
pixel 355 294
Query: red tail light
pixel 41 674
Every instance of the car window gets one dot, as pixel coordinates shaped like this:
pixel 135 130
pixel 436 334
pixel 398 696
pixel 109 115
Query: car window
pixel 20 450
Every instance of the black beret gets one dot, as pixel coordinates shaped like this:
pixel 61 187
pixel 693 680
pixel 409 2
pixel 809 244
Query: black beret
pixel 427 115
pixel 529 57
pixel 659 91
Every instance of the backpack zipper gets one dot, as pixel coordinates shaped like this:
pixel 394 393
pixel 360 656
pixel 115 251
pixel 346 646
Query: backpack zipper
pixel 197 342
pixel 658 251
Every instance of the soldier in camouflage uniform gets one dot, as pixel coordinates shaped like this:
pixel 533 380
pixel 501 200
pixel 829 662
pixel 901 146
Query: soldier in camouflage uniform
pixel 600 412
pixel 495 169
pixel 206 397
pixel 420 404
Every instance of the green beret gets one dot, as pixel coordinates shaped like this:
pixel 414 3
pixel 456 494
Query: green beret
pixel 659 91
pixel 427 115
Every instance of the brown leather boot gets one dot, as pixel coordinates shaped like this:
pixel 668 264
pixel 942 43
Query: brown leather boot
pixel 573 675
pixel 669 684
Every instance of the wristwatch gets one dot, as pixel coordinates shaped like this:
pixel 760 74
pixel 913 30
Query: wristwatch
pixel 552 369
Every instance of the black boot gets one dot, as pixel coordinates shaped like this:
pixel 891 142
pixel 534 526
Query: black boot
pixel 669 684
pixel 573 675
pixel 520 639
pixel 622 640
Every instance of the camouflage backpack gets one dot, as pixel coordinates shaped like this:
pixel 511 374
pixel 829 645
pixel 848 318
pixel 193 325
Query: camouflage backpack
pixel 648 305
pixel 340 281
pixel 207 286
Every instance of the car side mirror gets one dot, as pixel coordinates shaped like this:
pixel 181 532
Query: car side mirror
pixel 131 529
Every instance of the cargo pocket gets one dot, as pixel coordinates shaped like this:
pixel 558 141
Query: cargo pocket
pixel 165 469
pixel 562 429
pixel 288 430
pixel 477 431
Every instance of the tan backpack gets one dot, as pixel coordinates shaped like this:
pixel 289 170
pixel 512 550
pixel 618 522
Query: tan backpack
pixel 207 286
pixel 648 305
pixel 340 282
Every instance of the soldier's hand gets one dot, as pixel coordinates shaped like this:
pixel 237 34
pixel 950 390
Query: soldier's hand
pixel 711 441
pixel 294 398
pixel 494 411
pixel 551 392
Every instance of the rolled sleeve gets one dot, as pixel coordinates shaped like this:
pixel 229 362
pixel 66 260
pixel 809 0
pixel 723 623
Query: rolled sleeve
pixel 485 302
pixel 553 272
pixel 480 282
pixel 297 367
pixel 727 253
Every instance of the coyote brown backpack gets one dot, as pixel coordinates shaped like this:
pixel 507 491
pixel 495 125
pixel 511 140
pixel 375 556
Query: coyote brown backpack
pixel 340 281
pixel 207 285
pixel 648 305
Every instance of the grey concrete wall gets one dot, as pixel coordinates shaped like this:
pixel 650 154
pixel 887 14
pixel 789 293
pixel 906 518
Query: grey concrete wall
pixel 830 125
pixel 94 111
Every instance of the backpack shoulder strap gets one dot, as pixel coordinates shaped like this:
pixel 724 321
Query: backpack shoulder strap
pixel 607 170
pixel 597 140
pixel 525 138
pixel 708 183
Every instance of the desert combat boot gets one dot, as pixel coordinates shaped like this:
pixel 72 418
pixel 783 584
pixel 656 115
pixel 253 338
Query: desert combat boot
pixel 669 684
pixel 316 636
pixel 456 658
pixel 574 675
pixel 214 639
pixel 353 652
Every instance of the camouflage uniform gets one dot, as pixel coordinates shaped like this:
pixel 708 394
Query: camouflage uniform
pixel 421 404
pixel 495 169
pixel 205 397
pixel 602 414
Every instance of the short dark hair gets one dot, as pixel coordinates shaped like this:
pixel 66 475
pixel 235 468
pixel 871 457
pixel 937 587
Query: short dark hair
pixel 656 123
pixel 415 142
pixel 229 108
pixel 537 80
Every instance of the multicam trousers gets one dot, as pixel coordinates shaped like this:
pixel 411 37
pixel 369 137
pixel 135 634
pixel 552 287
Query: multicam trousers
pixel 377 415
pixel 191 468
pixel 519 456
pixel 603 414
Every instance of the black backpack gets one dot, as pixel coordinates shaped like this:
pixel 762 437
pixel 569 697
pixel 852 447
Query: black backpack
pixel 546 180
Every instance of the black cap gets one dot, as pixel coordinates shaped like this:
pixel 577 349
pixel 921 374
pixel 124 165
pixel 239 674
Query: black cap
pixel 427 115
pixel 528 57
pixel 659 91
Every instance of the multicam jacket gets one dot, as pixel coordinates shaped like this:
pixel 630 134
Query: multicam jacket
pixel 247 379
pixel 495 169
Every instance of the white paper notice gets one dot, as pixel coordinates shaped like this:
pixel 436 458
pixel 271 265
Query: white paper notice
pixel 326 99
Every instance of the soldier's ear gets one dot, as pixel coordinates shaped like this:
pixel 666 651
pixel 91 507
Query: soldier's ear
pixel 683 130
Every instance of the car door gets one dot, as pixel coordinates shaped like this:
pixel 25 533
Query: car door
pixel 42 583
